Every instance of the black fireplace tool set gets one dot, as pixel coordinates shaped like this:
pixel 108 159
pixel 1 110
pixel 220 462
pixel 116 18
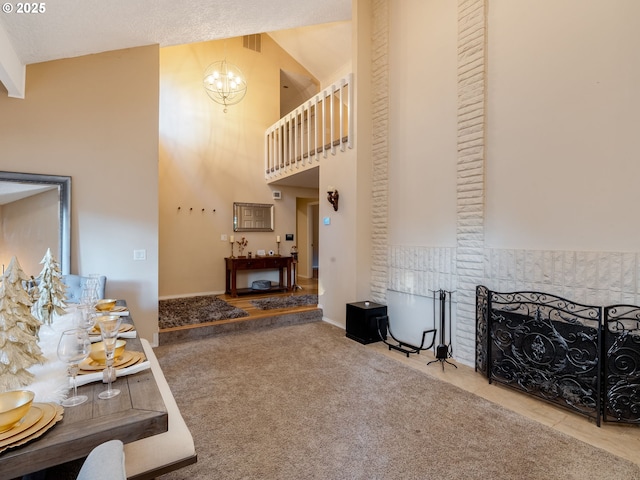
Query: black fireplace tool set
pixel 443 351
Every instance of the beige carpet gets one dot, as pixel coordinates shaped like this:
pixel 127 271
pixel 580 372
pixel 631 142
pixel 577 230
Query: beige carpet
pixel 304 402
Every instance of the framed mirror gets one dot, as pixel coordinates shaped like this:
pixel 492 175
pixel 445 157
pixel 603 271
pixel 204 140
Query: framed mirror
pixel 253 217
pixel 35 214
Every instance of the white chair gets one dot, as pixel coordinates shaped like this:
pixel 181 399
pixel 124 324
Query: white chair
pixel 105 462
pixel 75 283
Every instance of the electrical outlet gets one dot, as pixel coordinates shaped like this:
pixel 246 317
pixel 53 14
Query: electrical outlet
pixel 223 237
pixel 140 254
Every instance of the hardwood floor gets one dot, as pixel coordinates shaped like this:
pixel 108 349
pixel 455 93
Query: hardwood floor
pixel 621 440
pixel 309 287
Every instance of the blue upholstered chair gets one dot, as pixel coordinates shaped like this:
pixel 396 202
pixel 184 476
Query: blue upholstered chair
pixel 75 283
pixel 105 462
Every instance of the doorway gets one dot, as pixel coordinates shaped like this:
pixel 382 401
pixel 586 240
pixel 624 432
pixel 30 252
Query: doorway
pixel 307 214
pixel 313 214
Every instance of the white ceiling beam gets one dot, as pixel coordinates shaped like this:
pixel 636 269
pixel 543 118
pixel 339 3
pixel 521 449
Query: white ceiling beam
pixel 12 71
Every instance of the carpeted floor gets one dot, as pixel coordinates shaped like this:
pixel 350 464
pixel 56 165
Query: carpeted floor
pixel 304 402
pixel 270 303
pixel 177 312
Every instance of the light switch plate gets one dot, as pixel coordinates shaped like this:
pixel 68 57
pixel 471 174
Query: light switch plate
pixel 140 254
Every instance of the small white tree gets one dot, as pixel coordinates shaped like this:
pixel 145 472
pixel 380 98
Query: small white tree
pixel 51 290
pixel 19 348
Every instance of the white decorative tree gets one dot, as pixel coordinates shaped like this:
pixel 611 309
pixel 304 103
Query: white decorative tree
pixel 19 348
pixel 51 290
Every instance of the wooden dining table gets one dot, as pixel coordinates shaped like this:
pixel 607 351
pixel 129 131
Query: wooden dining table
pixel 138 412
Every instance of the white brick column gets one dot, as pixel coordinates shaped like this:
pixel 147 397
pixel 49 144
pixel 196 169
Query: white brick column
pixel 470 177
pixel 380 150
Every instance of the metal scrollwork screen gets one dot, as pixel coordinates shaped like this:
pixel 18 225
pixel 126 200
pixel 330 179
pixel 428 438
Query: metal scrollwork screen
pixel 482 320
pixel 546 346
pixel 622 364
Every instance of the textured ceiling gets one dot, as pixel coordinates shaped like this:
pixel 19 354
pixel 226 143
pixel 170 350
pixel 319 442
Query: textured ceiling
pixel 70 28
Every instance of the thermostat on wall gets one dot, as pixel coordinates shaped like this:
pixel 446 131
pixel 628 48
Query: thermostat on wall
pixel 277 195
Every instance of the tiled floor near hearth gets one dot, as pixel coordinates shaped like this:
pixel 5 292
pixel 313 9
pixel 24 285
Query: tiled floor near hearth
pixel 621 440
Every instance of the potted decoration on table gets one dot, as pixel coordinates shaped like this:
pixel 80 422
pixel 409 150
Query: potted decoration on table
pixel 242 243
pixel 19 348
pixel 51 291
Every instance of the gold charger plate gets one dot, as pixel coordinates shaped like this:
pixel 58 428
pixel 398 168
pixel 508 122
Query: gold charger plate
pixel 52 414
pixel 89 366
pixel 124 327
pixel 136 358
pixel 33 415
pixel 116 308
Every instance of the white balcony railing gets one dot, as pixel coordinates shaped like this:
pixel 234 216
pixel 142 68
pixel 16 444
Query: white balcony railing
pixel 321 125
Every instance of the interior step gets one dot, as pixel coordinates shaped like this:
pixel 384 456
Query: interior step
pixel 221 327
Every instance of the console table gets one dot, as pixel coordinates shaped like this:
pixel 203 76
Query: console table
pixel 282 264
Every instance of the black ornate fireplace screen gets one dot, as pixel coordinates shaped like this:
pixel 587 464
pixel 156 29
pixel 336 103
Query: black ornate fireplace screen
pixel 622 364
pixel 562 352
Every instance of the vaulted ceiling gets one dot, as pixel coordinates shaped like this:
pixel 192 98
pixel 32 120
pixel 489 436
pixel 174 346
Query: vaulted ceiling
pixel 69 28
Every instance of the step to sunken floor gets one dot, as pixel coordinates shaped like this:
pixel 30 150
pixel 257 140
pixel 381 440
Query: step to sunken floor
pixel 221 327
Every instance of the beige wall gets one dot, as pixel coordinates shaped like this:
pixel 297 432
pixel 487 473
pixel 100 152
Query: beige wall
pixel 95 118
pixel 345 243
pixel 563 118
pixel 28 228
pixel 557 193
pixel 422 122
pixel 210 159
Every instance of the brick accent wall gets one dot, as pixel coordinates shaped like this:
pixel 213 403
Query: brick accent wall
pixel 420 270
pixel 593 278
pixel 600 278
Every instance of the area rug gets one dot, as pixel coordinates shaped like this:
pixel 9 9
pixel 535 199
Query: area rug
pixel 285 302
pixel 304 402
pixel 177 312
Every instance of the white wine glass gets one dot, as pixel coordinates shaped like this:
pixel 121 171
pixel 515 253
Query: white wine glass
pixel 109 327
pixel 73 348
pixel 89 295
pixel 85 317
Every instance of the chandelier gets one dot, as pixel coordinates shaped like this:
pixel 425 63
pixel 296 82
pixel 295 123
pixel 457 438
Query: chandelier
pixel 224 83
